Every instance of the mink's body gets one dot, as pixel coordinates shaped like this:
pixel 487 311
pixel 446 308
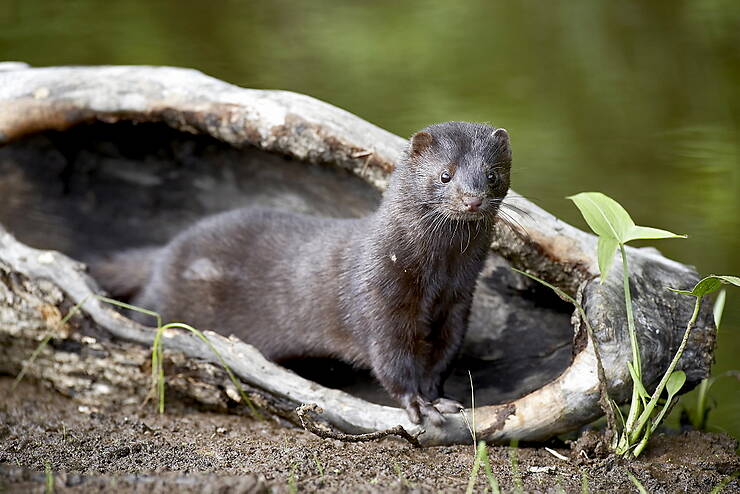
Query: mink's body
pixel 391 291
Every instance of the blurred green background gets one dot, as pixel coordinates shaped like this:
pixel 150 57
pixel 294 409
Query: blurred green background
pixel 640 100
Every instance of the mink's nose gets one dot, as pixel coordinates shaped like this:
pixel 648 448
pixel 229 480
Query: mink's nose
pixel 472 203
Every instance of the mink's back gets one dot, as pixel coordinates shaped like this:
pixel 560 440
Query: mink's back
pixel 271 278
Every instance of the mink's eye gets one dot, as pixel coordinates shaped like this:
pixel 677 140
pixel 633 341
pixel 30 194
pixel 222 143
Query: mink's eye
pixel 445 177
pixel 492 177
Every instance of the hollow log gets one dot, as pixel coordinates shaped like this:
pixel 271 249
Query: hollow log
pixel 95 159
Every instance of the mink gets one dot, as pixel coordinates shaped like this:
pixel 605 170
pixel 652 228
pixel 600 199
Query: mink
pixel 391 291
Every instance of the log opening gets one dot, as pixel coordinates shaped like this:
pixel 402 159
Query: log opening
pixel 98 188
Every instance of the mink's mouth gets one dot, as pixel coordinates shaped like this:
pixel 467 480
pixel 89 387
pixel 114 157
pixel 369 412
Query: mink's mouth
pixel 489 211
pixel 479 215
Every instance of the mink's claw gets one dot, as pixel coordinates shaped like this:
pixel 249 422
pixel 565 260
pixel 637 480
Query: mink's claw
pixel 418 408
pixel 412 410
pixel 431 413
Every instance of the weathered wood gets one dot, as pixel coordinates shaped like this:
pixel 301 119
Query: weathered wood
pixel 38 286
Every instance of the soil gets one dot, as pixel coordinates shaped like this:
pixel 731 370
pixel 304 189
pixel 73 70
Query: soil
pixel 46 437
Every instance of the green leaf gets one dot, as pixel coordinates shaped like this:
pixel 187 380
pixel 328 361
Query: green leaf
pixel 709 284
pixel 727 279
pixel 614 226
pixel 606 217
pixel 675 383
pixel 647 233
pixel 605 253
pixel 719 308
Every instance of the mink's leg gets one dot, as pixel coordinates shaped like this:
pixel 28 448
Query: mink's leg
pixel 401 372
pixel 446 342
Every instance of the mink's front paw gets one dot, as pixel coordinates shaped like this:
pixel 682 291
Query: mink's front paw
pixel 418 408
pixel 446 405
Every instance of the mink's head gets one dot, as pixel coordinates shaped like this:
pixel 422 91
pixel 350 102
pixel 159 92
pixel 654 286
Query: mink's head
pixel 457 169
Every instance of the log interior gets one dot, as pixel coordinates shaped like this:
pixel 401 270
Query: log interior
pixel 96 188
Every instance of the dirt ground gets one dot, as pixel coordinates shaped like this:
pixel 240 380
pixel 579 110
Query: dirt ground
pixel 46 437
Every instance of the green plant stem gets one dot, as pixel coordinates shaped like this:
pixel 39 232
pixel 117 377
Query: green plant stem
pixel 636 363
pixel 158 368
pixel 699 419
pixel 645 416
pixel 641 445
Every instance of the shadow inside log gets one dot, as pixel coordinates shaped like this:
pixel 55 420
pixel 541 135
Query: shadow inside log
pixel 99 188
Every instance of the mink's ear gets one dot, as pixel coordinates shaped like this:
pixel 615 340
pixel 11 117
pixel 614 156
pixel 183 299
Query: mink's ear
pixel 500 134
pixel 503 147
pixel 420 142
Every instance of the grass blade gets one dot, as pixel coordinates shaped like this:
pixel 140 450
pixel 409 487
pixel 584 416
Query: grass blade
pixel 725 482
pixel 492 482
pixel 474 472
pixel 47 337
pixel 584 483
pixel 472 408
pixel 292 480
pixel 515 473
pixel 134 308
pixel 638 484
pixel 49 477
pixel 481 458
pixel 221 360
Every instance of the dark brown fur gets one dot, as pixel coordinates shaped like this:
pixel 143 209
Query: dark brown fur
pixel 391 291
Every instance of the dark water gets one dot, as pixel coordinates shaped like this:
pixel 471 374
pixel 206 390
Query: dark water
pixel 640 100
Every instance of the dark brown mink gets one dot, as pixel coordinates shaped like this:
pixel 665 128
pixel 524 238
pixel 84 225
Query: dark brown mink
pixel 390 292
